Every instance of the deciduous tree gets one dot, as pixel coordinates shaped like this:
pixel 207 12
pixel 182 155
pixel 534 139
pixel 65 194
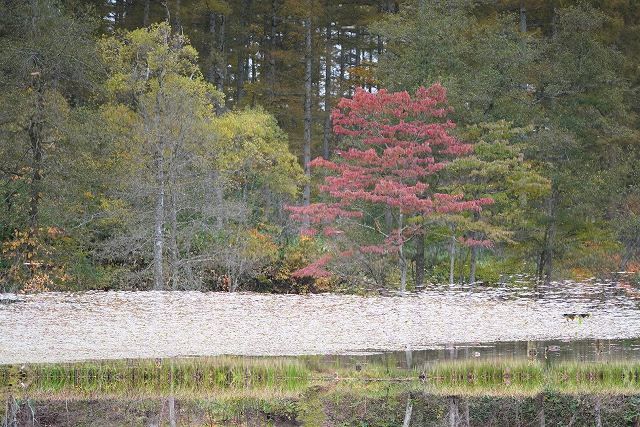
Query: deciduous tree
pixel 392 143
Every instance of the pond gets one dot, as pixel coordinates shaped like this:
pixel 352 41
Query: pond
pixel 563 354
pixel 57 327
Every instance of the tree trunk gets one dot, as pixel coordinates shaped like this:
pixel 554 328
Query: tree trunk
pixel 36 177
pixel 240 76
pixel 271 59
pixel 145 16
pixel 461 265
pixel 358 52
pixel 541 415
pixel 545 260
pixel 158 241
pixel 388 219
pixel 419 260
pixel 11 412
pixel 550 238
pixel 172 400
pixel 172 411
pixel 474 252
pixel 306 198
pixel 523 17
pixel 472 264
pixel 597 409
pixel 176 22
pixel 36 124
pixel 218 189
pixel 403 260
pixel 452 260
pixel 541 258
pixel 342 61
pixel 407 412
pixel 174 267
pixel 453 411
pixel 326 137
pixel 241 68
pixel 222 67
pixel 211 73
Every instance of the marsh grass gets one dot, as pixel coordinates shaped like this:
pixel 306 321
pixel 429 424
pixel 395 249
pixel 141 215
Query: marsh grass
pixel 610 378
pixel 527 377
pixel 231 378
pixel 495 377
pixel 184 377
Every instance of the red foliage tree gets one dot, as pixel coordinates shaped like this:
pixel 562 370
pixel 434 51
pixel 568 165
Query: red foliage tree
pixel 394 143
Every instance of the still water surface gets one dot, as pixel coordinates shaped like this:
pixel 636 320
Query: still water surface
pixel 58 327
pixel 511 355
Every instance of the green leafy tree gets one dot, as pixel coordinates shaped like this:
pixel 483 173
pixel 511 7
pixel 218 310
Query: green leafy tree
pixel 496 169
pixel 47 66
pixel 154 73
pixel 568 83
pixel 193 185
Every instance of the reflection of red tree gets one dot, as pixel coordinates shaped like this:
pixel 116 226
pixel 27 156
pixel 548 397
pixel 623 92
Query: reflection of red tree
pixel 399 140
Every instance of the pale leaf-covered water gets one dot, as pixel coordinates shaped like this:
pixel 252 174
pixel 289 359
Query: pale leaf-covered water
pixel 53 327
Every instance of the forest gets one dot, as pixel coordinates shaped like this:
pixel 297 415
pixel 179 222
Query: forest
pixel 296 146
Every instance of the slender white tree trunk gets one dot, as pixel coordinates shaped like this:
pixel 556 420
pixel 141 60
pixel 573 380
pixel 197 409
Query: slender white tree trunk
pixel 407 412
pixel 158 240
pixel 453 411
pixel 172 401
pixel 306 196
pixel 174 261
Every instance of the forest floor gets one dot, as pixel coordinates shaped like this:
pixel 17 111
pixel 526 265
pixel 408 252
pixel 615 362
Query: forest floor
pixel 56 327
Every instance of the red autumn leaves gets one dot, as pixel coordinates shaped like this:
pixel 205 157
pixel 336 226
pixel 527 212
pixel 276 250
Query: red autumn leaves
pixel 393 143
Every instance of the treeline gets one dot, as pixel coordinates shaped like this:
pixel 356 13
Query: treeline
pixel 149 144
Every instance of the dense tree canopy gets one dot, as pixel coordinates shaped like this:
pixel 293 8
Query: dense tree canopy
pixel 155 144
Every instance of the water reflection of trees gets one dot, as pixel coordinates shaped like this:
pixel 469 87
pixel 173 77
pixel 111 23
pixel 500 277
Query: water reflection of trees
pixel 330 407
pixel 403 389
